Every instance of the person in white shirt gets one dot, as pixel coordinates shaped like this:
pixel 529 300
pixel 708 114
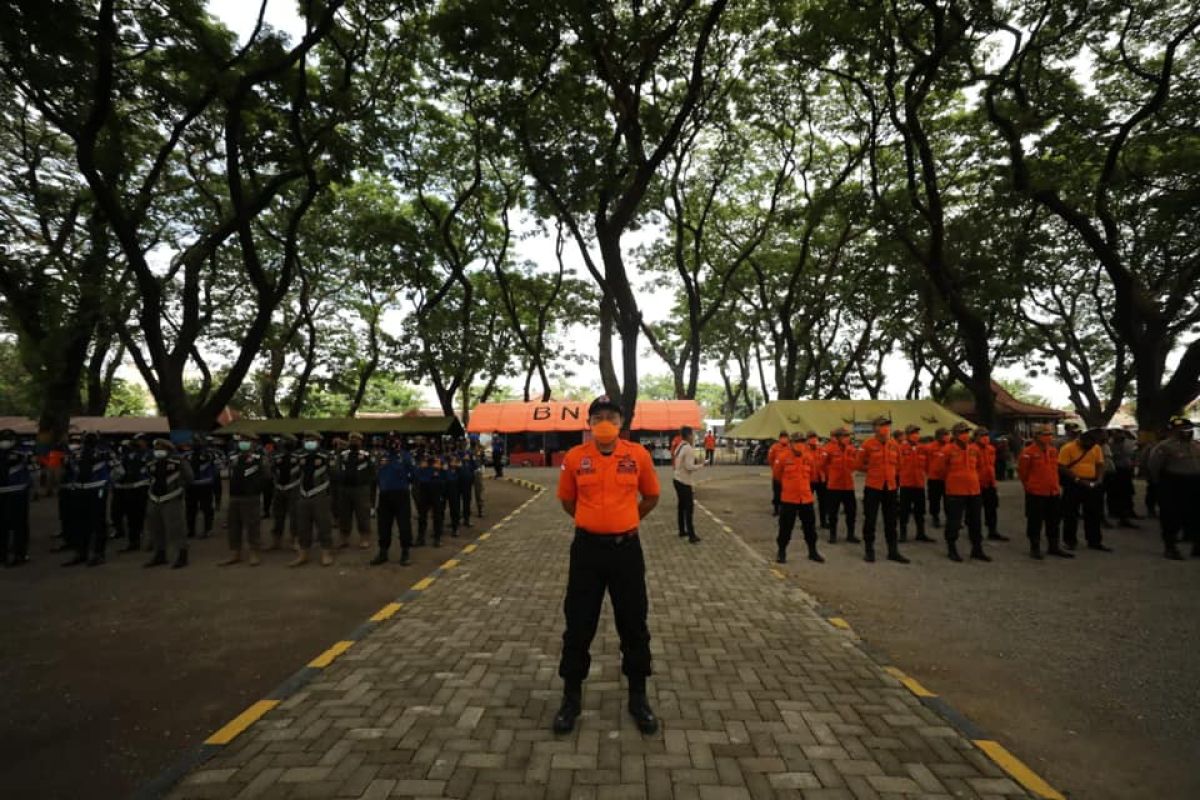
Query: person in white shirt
pixel 686 466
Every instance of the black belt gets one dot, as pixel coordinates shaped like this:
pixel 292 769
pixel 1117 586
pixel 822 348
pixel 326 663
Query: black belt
pixel 614 539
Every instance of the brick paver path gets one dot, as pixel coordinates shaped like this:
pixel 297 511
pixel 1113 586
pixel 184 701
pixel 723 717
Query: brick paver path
pixel 454 695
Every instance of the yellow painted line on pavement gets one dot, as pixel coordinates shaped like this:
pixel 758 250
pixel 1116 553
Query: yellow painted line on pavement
pixel 777 573
pixel 838 622
pixel 386 612
pixel 728 529
pixel 909 683
pixel 471 548
pixel 423 584
pixel 483 537
pixel 242 721
pixel 1017 769
pixel 451 564
pixel 327 658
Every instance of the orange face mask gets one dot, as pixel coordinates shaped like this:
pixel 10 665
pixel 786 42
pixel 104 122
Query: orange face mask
pixel 964 437
pixel 605 432
pixel 914 437
pixel 885 430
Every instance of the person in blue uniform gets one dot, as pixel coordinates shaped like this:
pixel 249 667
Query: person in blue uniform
pixel 204 492
pixel 87 473
pixel 467 468
pixel 131 488
pixel 17 478
pixel 451 491
pixel 395 475
pixel 427 491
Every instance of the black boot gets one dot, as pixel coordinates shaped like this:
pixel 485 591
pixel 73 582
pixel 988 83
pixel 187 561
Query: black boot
pixel 405 557
pixel 181 560
pixel 869 556
pixel 997 537
pixel 160 558
pixel 437 540
pixel 903 536
pixel 420 540
pixel 96 560
pixel 643 715
pixel 1173 553
pixel 1035 551
pixel 952 552
pixel 935 521
pixel 978 554
pixel 813 555
pixel 851 538
pixel 921 537
pixel 380 558
pixel 693 539
pixel 133 546
pixel 781 556
pixel 568 712
pixel 1052 549
pixel 894 555
pixel 76 561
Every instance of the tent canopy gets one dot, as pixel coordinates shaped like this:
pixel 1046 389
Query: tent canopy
pixel 823 416
pixel 409 426
pixel 569 415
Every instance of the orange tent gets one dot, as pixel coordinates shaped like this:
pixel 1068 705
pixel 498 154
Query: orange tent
pixel 650 415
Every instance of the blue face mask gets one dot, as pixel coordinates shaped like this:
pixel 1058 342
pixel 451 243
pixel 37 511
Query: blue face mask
pixel 310 445
pixel 244 446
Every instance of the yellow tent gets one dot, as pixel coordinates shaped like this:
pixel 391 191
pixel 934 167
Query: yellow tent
pixel 857 416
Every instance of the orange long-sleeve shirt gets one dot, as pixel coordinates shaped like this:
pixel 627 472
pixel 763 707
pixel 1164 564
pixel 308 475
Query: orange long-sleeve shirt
pixel 881 462
pixel 987 464
pixel 794 472
pixel 962 469
pixel 1038 470
pixel 913 461
pixel 840 464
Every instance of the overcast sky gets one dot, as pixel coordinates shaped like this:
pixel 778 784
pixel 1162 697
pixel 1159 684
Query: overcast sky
pixel 240 16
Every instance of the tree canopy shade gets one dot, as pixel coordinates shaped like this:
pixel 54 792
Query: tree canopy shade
pixel 407 426
pixel 650 415
pixel 823 416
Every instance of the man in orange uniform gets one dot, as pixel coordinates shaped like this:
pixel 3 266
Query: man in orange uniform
pixel 936 472
pixel 879 457
pixel 913 458
pixel 839 460
pixel 710 447
pixel 599 486
pixel 793 470
pixel 817 468
pixel 961 459
pixel 779 448
pixel 987 484
pixel 1037 469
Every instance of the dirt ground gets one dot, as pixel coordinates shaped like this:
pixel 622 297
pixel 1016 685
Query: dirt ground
pixel 1089 670
pixel 108 674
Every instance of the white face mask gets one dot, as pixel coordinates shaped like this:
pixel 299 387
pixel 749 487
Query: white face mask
pixel 310 445
pixel 7 444
pixel 74 447
pixel 160 453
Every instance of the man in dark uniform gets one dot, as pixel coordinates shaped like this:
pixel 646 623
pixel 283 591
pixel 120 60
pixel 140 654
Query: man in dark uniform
pixel 451 495
pixel 395 506
pixel 169 478
pixel 314 510
pixel 599 486
pixel 248 473
pixel 17 480
pixel 498 455
pixel 1175 466
pixel 285 474
pixel 205 489
pixel 354 477
pixel 131 486
pixel 466 483
pixel 427 492
pixel 88 473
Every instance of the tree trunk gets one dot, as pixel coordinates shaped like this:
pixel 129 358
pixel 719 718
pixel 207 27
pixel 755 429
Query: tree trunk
pixel 608 375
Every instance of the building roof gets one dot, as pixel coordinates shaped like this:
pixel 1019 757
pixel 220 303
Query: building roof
pixel 1008 406
pixel 823 416
pixel 571 415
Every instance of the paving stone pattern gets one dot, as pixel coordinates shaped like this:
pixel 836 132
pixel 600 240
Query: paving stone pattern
pixel 453 697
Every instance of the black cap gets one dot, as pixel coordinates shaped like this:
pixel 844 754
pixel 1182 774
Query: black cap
pixel 1181 424
pixel 605 403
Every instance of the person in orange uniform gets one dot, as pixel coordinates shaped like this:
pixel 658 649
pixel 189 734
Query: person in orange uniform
pixel 779 448
pixel 839 459
pixel 599 486
pixel 961 463
pixel 936 473
pixel 913 458
pixel 1081 470
pixel 1037 469
pixel 879 457
pixel 987 484
pixel 817 465
pixel 793 470
pixel 710 447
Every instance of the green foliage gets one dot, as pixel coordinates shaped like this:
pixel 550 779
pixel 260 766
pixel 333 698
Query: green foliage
pixel 128 399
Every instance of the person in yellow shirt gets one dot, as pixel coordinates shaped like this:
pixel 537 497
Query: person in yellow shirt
pixel 1081 470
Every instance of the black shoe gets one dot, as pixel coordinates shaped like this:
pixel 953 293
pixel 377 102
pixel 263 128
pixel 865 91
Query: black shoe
pixel 869 556
pixel 781 556
pixel 1070 545
pixel 380 558
pixel 899 559
pixel 997 537
pixel 853 539
pixel 437 541
pixel 903 537
pixel 1173 554
pixel 813 555
pixel 979 555
pixel 1054 551
pixel 132 547
pixel 158 560
pixel 95 560
pixel 75 562
pixel 953 555
pixel 922 538
pixel 568 712
pixel 420 542
pixel 17 561
pixel 1035 552
pixel 935 522
pixel 181 560
pixel 833 540
pixel 694 539
pixel 682 535
pixel 643 716
pixel 775 513
pixel 405 558
pixel 62 548
pixel 1129 524
pixel 1103 548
